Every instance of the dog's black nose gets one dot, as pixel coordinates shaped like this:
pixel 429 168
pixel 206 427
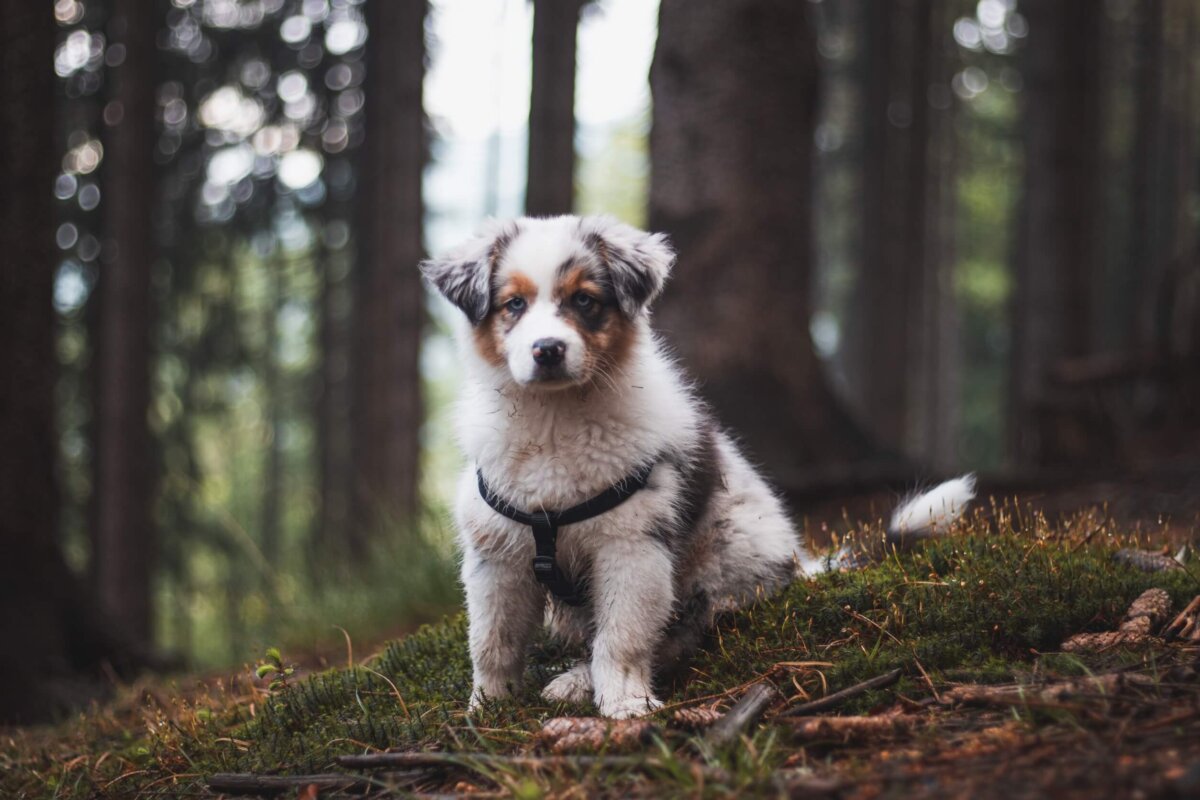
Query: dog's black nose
pixel 549 352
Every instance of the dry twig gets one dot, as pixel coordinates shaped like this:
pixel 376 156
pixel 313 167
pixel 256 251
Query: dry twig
pixel 849 693
pixel 743 715
pixel 245 783
pixel 1186 626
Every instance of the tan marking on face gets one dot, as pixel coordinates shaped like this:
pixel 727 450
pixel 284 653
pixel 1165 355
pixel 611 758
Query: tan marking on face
pixel 608 336
pixel 489 334
pixel 576 280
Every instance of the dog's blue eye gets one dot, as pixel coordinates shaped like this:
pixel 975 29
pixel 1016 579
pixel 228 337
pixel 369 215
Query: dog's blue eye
pixel 516 305
pixel 583 300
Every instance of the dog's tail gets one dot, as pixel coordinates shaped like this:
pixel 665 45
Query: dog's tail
pixel 927 514
pixel 919 516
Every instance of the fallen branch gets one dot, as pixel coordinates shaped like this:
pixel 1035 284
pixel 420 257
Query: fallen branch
pixel 744 714
pixel 481 763
pixel 474 761
pixel 1048 694
pixel 245 783
pixel 849 693
pixel 1186 626
pixel 849 727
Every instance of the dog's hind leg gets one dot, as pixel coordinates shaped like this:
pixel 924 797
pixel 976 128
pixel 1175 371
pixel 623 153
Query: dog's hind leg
pixel 572 686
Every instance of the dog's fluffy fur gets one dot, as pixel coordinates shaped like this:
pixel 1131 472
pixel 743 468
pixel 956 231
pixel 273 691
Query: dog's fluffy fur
pixel 706 535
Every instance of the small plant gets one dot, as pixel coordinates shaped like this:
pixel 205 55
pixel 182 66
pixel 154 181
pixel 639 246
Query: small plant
pixel 272 665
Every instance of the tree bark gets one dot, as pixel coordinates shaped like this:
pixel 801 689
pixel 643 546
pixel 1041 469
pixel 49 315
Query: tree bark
pixel 735 90
pixel 271 519
pixel 1057 248
pixel 51 634
pixel 123 540
pixel 896 358
pixel 389 303
pixel 333 401
pixel 1148 245
pixel 550 188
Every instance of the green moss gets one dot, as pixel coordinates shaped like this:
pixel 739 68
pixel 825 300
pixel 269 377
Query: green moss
pixel 982 608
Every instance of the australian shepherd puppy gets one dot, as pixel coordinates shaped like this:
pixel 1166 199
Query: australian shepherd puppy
pixel 568 393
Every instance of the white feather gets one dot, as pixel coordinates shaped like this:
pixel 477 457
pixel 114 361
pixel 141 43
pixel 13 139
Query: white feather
pixel 936 510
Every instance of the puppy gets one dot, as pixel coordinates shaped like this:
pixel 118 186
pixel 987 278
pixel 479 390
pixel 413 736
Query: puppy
pixel 601 496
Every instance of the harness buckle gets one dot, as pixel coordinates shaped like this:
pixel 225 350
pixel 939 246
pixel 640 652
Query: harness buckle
pixel 544 568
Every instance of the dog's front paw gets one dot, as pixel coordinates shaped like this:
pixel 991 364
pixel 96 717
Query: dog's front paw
pixel 480 697
pixel 628 707
pixel 572 686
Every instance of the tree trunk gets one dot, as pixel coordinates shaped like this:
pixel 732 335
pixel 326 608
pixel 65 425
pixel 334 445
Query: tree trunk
pixel 731 182
pixel 389 304
pixel 123 541
pixel 273 391
pixel 50 633
pixel 933 397
pixel 333 401
pixel 550 188
pixel 1057 245
pixel 887 371
pixel 1148 245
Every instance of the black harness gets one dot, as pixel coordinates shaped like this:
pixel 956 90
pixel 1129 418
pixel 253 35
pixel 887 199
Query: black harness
pixel 545 525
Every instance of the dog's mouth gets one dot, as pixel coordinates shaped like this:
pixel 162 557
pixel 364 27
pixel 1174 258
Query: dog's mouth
pixel 552 377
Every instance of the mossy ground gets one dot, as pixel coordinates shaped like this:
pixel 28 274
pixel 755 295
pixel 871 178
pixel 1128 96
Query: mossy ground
pixel 990 604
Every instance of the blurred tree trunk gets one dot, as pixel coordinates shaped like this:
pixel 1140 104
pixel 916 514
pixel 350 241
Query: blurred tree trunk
pixel 735 91
pixel 123 542
pixel 551 167
pixel 893 356
pixel 273 391
pixel 1057 247
pixel 51 635
pixel 1147 242
pixel 934 389
pixel 389 305
pixel 333 400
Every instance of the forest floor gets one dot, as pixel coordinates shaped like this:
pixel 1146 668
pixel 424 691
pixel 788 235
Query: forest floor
pixel 988 702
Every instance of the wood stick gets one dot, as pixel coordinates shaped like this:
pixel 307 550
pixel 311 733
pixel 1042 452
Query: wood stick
pixel 469 761
pixel 1186 626
pixel 477 762
pixel 246 783
pixel 849 693
pixel 744 714
pixel 1108 684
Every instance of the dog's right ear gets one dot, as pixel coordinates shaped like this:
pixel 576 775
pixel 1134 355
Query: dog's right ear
pixel 464 275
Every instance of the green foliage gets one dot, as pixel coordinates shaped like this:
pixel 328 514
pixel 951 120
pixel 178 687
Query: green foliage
pixel 273 667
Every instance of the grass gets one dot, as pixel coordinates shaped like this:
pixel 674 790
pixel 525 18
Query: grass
pixel 989 605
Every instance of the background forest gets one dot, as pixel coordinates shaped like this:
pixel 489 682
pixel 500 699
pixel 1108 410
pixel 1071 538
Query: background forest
pixel 916 237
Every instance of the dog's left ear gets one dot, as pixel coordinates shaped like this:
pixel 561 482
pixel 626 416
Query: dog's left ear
pixel 638 262
pixel 464 275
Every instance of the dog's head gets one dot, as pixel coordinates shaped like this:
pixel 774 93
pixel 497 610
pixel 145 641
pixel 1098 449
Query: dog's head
pixel 554 301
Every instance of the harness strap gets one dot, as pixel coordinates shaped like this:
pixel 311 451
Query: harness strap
pixel 545 525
